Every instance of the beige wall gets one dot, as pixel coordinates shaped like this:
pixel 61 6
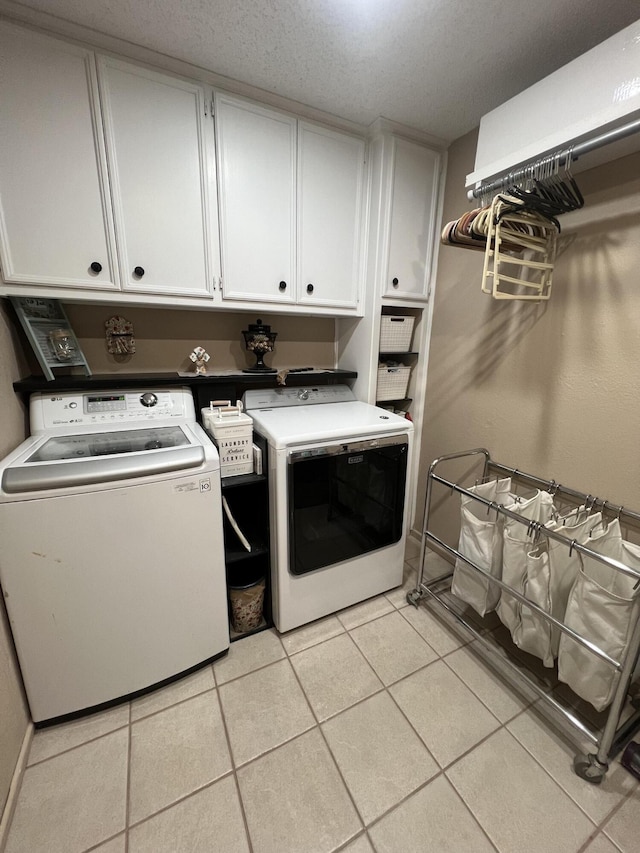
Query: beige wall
pixel 165 338
pixel 13 711
pixel 552 389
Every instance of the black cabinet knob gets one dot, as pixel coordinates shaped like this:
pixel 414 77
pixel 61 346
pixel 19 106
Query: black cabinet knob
pixel 139 271
pixel 283 285
pixel 395 282
pixel 309 288
pixel 96 266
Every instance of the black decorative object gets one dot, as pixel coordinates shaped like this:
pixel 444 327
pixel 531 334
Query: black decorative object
pixel 259 339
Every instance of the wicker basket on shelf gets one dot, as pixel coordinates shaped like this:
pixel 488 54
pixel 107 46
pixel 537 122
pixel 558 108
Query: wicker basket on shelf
pixel 395 333
pixel 392 382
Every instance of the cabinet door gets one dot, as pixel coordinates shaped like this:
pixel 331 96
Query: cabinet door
pixel 256 159
pixel 330 194
pixel 414 191
pixel 156 146
pixel 55 216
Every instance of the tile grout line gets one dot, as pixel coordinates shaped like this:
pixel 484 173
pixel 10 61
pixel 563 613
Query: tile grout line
pixel 441 770
pixel 118 728
pixel 333 758
pixel 597 824
pixel 125 830
pixel 200 788
pixel 78 745
pixel 528 702
pixel 609 815
pixel 176 802
pixel 96 847
pixel 234 769
pixel 342 847
pixel 173 704
pixel 251 671
pixel 584 848
pixel 128 790
pixel 501 725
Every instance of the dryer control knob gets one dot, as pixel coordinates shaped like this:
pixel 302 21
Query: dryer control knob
pixel 148 399
pixel 303 395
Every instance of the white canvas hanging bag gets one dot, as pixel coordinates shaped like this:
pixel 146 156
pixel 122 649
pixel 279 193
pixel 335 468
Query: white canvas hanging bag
pixel 550 575
pixel 603 607
pixel 481 542
pixel 517 544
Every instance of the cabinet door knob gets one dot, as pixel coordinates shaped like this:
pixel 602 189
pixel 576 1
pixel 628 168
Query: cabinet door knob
pixel 309 288
pixel 96 266
pixel 283 285
pixel 139 271
pixel 395 282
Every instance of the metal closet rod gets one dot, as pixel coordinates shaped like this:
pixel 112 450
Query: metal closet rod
pixel 554 488
pixel 565 156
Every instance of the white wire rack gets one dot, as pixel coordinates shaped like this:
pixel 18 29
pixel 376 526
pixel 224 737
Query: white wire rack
pixel 613 729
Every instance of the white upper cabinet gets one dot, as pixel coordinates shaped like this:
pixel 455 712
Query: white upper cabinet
pixel 291 208
pixel 256 166
pixel 156 132
pixel 411 211
pixel 330 196
pixel 55 219
pixel 112 182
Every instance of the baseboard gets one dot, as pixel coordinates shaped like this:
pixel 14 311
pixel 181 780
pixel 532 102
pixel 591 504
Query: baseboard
pixel 416 537
pixel 14 787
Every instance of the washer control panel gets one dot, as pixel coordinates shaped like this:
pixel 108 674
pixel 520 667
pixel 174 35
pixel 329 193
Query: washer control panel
pixel 108 409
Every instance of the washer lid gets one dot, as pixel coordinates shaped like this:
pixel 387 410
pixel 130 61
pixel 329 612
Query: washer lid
pixel 89 445
pixel 290 426
pixel 51 464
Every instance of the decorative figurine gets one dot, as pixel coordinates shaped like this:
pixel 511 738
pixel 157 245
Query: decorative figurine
pixel 120 340
pixel 200 358
pixel 259 339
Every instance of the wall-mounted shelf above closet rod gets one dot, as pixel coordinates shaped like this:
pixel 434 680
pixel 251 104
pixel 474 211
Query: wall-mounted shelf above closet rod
pixel 564 157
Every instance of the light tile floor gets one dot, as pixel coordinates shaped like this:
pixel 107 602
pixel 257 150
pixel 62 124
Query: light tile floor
pixel 376 730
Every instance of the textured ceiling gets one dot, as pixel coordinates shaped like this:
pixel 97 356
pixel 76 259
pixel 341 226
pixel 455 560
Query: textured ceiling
pixel 437 65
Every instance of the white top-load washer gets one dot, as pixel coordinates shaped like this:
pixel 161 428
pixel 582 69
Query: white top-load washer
pixel 112 560
pixel 338 499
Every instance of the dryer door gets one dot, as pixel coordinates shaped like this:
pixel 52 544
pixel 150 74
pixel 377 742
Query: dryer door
pixel 345 500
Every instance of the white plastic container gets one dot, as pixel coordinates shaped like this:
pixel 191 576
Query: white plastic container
pixel 232 432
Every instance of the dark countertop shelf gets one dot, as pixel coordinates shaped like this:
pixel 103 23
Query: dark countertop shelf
pixel 237 554
pixel 80 382
pixel 241 480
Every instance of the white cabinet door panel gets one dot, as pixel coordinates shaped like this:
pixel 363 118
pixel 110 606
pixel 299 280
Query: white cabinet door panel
pixel 330 194
pixel 413 209
pixel 256 167
pixel 155 144
pixel 55 217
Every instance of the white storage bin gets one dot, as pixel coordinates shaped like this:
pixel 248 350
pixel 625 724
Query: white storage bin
pixel 395 333
pixel 232 433
pixel 392 383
